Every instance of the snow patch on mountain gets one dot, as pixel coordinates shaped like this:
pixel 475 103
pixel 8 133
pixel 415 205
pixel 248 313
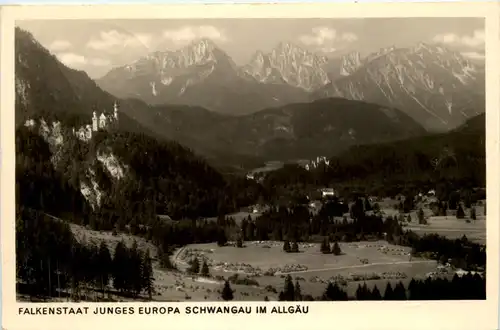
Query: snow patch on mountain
pixel 166 80
pixel 153 88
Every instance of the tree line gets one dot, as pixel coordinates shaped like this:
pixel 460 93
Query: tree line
pixel 467 287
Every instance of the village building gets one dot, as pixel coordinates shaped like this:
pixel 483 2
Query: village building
pixel 327 192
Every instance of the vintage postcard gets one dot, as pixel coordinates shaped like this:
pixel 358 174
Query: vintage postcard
pixel 225 166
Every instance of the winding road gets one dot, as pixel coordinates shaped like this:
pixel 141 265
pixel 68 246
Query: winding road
pixel 175 256
pixel 361 266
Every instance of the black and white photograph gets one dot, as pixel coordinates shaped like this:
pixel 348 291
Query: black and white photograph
pixel 250 159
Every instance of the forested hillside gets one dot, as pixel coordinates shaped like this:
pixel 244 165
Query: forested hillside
pixel 454 160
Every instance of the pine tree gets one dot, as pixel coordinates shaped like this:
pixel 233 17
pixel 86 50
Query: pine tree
pixel 367 206
pixel 376 294
pixel 460 212
pixel 164 258
pixel 336 249
pixel 329 294
pixel 399 292
pixel 135 268
pixel 365 292
pixel 288 289
pixel 297 292
pixel 295 247
pixel 286 246
pixel 473 213
pixel 334 293
pixel 194 266
pixel 204 269
pixel 239 242
pixel 104 265
pixel 421 219
pixel 413 290
pixel 325 247
pixel 227 292
pixel 359 293
pixel 120 262
pixel 388 294
pixel 147 274
pixel 221 237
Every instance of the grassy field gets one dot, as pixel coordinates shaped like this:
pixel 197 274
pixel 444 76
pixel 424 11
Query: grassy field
pixel 448 226
pixel 372 262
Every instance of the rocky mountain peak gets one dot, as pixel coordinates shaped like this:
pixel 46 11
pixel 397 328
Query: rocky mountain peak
pixel 288 63
pixel 350 63
pixel 436 86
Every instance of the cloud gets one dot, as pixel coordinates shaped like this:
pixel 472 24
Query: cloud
pixel 327 39
pixel 319 36
pixel 59 45
pixel 186 34
pixel 98 62
pixel 112 40
pixel 475 40
pixel 349 37
pixel 328 49
pixel 474 55
pixel 74 60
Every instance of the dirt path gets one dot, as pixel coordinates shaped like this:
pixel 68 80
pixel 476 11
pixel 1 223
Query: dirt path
pixel 176 256
pixel 472 230
pixel 360 266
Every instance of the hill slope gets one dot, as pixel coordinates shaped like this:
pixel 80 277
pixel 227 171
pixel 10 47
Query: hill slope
pixel 294 131
pixel 47 88
pixel 456 158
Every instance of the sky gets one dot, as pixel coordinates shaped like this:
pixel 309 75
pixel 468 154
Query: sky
pixel 96 46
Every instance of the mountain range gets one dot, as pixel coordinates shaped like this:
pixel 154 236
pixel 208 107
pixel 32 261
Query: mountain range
pixel 291 131
pixel 436 86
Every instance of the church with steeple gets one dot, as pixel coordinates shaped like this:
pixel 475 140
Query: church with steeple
pixel 102 122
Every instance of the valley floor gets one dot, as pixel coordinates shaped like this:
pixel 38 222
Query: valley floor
pixel 262 266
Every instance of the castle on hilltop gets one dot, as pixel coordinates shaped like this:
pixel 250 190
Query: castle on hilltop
pixel 102 122
pixel 317 162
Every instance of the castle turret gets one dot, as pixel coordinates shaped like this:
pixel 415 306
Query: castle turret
pixel 115 111
pixel 94 122
pixel 102 121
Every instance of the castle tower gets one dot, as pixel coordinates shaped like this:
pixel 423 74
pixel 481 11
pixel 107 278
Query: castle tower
pixel 88 133
pixel 115 111
pixel 94 122
pixel 102 121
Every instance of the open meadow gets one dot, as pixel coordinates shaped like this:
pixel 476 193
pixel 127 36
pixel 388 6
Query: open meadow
pixel 448 226
pixel 262 267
